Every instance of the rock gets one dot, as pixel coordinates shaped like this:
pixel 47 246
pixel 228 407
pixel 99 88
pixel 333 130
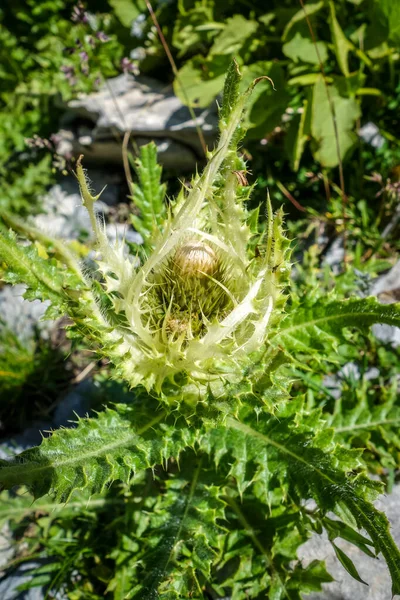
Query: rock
pixel 6 545
pixel 64 216
pixel 373 571
pixel 94 124
pixel 20 576
pixel 387 289
pixel 335 255
pixel 20 315
pixel 370 133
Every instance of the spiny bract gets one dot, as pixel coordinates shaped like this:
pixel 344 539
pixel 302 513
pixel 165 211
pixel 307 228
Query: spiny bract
pixel 202 302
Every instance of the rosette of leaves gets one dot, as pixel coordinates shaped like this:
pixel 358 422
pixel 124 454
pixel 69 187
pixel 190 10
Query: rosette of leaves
pixel 218 457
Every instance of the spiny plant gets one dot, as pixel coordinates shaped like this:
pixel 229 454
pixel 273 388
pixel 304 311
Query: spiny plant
pixel 217 455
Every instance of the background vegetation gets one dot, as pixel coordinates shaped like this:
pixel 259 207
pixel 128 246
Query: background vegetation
pixel 336 75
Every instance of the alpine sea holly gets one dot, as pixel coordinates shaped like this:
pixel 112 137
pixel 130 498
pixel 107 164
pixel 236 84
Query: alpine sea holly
pixel 216 456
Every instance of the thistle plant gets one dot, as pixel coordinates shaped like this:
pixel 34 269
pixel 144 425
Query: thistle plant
pixel 215 458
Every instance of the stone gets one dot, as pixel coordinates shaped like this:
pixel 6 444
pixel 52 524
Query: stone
pixel 387 289
pixel 373 571
pixel 94 124
pixel 22 316
pixel 63 214
pixel 370 134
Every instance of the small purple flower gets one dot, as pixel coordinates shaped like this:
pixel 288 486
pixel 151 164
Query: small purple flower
pixel 38 142
pixel 84 62
pixel 103 37
pixel 79 14
pixel 128 66
pixel 69 73
pixel 55 139
pixel 91 41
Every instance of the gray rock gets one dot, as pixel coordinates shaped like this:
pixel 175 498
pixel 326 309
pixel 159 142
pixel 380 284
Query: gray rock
pixel 21 575
pixel 335 255
pixel 64 216
pixel 370 134
pixel 6 545
pixel 94 125
pixel 20 315
pixel 387 290
pixel 373 571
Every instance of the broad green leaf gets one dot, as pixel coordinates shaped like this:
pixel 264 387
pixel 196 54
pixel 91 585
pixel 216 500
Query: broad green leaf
pixel 234 36
pixel 310 9
pixel 307 79
pixel 347 111
pixel 303 49
pixel 391 10
pixel 194 27
pixel 200 91
pixel 267 103
pixel 128 10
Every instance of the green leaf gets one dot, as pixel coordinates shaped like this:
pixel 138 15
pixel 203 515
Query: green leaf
pixel 341 44
pixel 235 34
pixel 282 452
pixel 267 103
pixel 149 195
pixel 339 529
pixel 299 16
pixel 391 10
pixel 183 535
pixel 347 111
pixel 24 265
pixel 348 564
pixel 297 136
pixel 201 85
pixel 303 49
pixel 95 453
pixel 231 91
pixel 128 10
pixel 315 328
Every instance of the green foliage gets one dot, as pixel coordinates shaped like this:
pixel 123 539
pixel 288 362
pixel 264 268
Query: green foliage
pixel 32 374
pixel 354 42
pixel 216 449
pixel 111 448
pixel 148 195
pixel 44 55
pixel 313 329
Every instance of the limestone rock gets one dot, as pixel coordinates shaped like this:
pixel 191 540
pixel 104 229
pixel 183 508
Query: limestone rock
pixel 94 125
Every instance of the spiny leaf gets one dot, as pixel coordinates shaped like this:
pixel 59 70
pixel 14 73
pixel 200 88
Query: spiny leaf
pixel 24 265
pixel 231 91
pixel 95 453
pixel 148 195
pixel 296 464
pixel 182 536
pixel 314 329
